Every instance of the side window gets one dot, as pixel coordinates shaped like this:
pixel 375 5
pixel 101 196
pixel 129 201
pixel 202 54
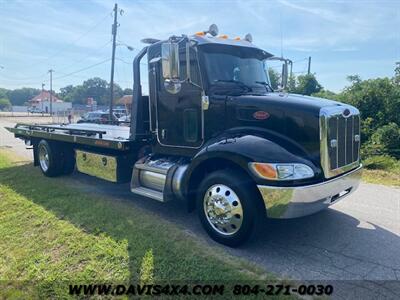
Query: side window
pixel 190 125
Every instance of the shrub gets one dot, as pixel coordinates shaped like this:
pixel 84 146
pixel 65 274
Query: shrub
pixel 386 139
pixel 5 104
pixel 380 162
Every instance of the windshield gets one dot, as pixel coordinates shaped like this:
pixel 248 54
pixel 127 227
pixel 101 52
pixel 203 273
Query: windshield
pixel 245 69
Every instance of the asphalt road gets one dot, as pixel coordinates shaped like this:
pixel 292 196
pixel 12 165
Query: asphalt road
pixel 355 239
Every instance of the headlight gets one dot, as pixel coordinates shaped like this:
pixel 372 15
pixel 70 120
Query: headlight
pixel 281 171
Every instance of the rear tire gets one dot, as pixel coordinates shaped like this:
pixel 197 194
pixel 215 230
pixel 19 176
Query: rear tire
pixel 68 161
pixel 229 207
pixel 50 160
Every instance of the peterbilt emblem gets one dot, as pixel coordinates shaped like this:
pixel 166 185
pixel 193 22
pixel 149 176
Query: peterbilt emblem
pixel 261 115
pixel 346 113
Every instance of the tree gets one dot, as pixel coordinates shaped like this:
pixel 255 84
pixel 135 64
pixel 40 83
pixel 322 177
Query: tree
pixel 127 91
pixel 326 94
pixel 386 140
pixel 118 92
pixel 396 77
pixel 354 79
pixel 5 104
pixel 274 77
pixel 96 88
pixel 378 99
pixel 3 93
pixel 291 87
pixel 22 95
pixel 66 92
pixel 307 85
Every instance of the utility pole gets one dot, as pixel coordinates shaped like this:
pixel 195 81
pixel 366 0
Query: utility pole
pixel 114 33
pixel 51 91
pixel 309 65
pixel 42 95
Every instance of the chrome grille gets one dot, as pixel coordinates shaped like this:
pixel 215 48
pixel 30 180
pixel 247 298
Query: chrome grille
pixel 339 139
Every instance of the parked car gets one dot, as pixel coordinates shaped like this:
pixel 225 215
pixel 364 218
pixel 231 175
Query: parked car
pixel 125 119
pixel 119 112
pixel 37 110
pixel 98 117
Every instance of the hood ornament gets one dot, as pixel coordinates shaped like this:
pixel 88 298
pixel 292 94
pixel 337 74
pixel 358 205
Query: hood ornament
pixel 346 113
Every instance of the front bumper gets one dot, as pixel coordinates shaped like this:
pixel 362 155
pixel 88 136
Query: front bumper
pixel 293 202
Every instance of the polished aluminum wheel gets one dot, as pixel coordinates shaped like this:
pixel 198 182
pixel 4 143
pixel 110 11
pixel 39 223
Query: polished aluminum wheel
pixel 223 209
pixel 44 158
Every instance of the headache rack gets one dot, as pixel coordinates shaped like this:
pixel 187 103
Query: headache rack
pixel 104 138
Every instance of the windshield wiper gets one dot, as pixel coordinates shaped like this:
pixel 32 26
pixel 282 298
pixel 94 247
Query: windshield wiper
pixel 266 84
pixel 239 83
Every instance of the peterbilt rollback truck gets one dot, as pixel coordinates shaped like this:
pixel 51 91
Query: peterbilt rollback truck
pixel 213 134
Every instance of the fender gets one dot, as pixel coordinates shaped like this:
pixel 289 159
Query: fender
pixel 239 147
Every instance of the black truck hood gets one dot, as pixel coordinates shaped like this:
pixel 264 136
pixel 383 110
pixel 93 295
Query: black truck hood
pixel 288 119
pixel 284 101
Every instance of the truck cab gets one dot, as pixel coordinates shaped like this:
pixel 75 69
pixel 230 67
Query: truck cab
pixel 213 134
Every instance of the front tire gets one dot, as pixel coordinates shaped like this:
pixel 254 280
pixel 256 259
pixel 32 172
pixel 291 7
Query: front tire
pixel 229 207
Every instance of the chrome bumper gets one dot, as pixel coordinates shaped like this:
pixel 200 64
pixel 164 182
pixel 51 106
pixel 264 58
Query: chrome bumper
pixel 293 202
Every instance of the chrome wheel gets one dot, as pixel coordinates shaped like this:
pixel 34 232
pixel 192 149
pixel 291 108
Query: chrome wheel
pixel 44 158
pixel 223 209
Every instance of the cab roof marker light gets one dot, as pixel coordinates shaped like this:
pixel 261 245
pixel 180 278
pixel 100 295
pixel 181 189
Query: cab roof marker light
pixel 237 38
pixel 223 36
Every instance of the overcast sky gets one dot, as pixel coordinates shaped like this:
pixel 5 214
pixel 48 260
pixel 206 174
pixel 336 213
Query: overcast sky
pixel 342 37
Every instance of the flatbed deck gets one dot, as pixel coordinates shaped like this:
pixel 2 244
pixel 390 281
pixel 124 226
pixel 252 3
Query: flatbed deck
pixel 97 135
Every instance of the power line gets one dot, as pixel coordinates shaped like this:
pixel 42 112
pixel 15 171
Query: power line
pixel 129 63
pixel 88 55
pixel 25 78
pixel 73 42
pixel 84 69
pixel 303 59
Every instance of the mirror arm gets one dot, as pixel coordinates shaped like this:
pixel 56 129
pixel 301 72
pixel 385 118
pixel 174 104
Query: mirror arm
pixel 188 62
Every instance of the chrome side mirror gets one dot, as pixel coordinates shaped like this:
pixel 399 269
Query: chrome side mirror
pixel 170 67
pixel 170 60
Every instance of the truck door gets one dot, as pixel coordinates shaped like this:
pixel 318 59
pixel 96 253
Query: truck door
pixel 179 116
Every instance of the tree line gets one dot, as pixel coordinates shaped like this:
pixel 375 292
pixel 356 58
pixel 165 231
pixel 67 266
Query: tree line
pixel 96 88
pixel 377 99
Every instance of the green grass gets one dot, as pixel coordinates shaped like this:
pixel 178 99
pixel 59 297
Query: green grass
pixel 52 232
pixel 381 169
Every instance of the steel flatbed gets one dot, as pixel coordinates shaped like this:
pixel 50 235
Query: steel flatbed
pixel 96 135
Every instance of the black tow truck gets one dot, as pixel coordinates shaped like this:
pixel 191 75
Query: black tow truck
pixel 213 134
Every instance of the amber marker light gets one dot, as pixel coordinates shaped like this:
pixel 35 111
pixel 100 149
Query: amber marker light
pixel 265 170
pixel 237 38
pixel 223 36
pixel 200 33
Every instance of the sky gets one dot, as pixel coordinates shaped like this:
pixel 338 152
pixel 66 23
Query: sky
pixel 73 37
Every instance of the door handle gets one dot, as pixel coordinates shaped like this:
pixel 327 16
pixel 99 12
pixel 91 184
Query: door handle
pixel 163 134
pixel 205 102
